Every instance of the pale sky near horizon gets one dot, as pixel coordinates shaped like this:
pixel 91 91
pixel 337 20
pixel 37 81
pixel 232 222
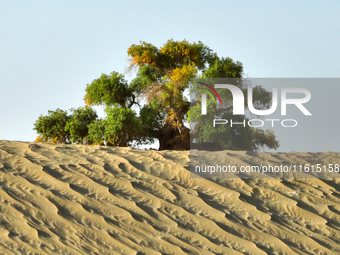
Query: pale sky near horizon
pixel 50 50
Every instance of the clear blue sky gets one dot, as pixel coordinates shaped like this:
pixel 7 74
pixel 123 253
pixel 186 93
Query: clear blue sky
pixel 50 50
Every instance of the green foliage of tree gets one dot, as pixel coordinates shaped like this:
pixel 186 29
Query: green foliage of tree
pixel 96 132
pixel 237 137
pixel 122 126
pixel 151 118
pixel 78 123
pixel 51 128
pixel 108 90
pixel 224 68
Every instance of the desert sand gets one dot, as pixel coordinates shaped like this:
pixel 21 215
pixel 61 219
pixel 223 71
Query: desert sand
pixel 77 199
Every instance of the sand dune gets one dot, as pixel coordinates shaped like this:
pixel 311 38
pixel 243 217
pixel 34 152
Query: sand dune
pixel 73 199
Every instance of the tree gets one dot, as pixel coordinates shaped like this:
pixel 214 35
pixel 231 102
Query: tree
pixel 51 128
pixel 59 127
pixel 77 125
pixel 96 132
pixel 225 137
pixel 120 127
pixel 108 90
pixel 162 78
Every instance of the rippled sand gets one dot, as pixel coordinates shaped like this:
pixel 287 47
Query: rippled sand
pixel 74 199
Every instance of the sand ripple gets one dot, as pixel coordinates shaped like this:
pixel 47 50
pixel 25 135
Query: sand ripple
pixel 67 199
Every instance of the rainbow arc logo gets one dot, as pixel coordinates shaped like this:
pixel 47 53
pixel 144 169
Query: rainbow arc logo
pixel 212 89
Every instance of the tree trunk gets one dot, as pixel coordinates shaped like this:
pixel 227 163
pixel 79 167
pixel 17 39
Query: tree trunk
pixel 171 138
